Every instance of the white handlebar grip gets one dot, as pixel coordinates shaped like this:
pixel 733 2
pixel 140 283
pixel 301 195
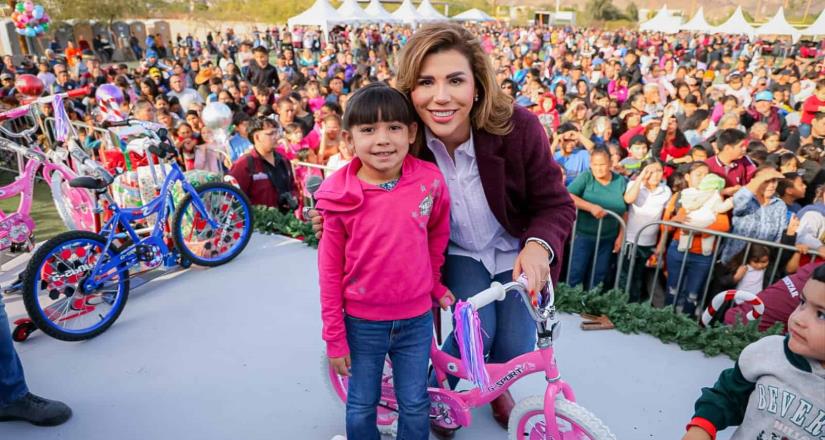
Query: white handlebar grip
pixel 496 292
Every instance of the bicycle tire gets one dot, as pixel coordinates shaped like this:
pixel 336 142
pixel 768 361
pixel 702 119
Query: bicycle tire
pixel 70 213
pixel 32 282
pixel 338 390
pixel 565 409
pixel 242 238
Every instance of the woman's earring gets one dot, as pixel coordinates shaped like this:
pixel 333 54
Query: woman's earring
pixel 476 98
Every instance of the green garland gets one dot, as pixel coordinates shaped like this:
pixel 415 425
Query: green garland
pixel 662 323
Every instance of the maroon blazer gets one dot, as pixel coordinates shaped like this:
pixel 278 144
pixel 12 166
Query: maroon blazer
pixel 523 183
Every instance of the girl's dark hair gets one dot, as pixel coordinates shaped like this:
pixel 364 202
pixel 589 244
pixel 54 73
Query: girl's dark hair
pixel 696 119
pixel 600 150
pixel 756 253
pixel 677 182
pixel 377 103
pixel 819 274
pixel 786 158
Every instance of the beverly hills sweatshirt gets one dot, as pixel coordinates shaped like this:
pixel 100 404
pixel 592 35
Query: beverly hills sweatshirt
pixel 381 252
pixel 771 393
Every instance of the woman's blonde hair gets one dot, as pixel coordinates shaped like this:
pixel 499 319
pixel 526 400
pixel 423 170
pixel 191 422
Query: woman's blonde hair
pixel 494 108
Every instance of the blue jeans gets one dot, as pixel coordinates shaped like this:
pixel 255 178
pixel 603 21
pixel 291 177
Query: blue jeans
pixel 696 273
pixel 407 341
pixel 581 260
pixel 507 328
pixel 12 382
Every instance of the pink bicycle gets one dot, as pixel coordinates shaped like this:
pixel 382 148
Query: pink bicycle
pixel 74 205
pixel 555 415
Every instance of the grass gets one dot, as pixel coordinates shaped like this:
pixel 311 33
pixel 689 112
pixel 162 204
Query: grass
pixel 47 221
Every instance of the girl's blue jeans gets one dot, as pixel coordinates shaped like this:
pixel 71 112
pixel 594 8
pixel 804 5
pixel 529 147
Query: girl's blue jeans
pixel 12 382
pixel 407 342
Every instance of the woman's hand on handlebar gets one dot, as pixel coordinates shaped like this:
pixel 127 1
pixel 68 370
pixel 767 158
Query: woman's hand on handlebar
pixel 318 223
pixel 534 263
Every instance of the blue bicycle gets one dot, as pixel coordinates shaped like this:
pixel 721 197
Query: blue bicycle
pixel 76 284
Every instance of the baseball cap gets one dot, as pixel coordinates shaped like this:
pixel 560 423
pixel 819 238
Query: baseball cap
pixel 524 101
pixel 5 76
pixel 764 95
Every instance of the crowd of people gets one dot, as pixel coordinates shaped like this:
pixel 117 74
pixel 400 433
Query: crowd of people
pixel 716 132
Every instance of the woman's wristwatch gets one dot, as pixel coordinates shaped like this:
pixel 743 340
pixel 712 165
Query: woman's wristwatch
pixel 551 255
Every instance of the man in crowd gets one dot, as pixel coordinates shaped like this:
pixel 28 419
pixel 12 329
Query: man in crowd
pixel 261 73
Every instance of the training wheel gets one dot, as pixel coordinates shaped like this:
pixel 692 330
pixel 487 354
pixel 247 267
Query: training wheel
pixel 22 331
pixel 185 263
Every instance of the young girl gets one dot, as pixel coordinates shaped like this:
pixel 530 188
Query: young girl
pixel 386 223
pixel 331 138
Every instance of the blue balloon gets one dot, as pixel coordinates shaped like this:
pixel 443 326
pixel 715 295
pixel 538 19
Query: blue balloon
pixel 30 32
pixel 38 12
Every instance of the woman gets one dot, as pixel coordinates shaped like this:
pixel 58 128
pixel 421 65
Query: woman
pixel 594 192
pixel 510 213
pixel 685 293
pixel 646 197
pixel 757 211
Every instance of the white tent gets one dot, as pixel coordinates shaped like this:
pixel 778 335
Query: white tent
pixel 377 12
pixel 662 22
pixel 407 13
pixel 473 15
pixel 321 13
pixel 817 28
pixel 429 13
pixel 351 12
pixel 697 23
pixel 736 24
pixel 778 26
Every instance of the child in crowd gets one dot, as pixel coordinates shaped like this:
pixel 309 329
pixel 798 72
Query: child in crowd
pixel 746 276
pixel 638 152
pixel 776 389
pixel 386 223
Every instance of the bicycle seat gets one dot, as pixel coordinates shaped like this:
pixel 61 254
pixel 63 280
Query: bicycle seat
pixel 88 182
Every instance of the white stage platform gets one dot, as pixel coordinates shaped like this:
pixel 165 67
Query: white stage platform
pixel 235 353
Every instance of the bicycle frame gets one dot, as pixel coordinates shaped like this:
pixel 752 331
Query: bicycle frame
pixel 162 205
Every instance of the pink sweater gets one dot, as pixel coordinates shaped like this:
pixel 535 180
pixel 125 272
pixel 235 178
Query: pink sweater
pixel 381 252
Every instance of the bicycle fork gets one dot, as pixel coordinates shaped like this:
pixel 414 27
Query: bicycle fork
pixel 555 388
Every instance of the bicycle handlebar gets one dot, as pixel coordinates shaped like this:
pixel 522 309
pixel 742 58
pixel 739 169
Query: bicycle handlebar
pixel 82 158
pixel 497 292
pixel 24 109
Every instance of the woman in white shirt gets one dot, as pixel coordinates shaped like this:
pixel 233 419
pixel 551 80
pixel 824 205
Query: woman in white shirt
pixel 646 198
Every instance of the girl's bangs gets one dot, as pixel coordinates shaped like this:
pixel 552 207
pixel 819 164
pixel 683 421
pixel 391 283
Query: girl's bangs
pixel 378 103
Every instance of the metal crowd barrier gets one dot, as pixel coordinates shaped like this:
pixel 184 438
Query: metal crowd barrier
pixel 622 225
pixel 692 232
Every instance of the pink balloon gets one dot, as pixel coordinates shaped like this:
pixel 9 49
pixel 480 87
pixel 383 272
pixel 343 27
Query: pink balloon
pixel 29 6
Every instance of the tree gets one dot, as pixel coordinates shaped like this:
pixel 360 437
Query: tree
pixel 632 12
pixel 103 10
pixel 604 10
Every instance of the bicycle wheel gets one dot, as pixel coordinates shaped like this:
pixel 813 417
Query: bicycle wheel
pixel 74 205
pixel 574 422
pixel 52 290
pixel 387 420
pixel 197 240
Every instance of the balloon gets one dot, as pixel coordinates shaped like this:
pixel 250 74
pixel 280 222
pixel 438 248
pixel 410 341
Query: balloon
pixel 45 26
pixel 28 6
pixel 23 20
pixel 21 31
pixel 20 7
pixel 109 93
pixel 38 12
pixel 15 16
pixel 30 32
pixel 29 85
pixel 217 115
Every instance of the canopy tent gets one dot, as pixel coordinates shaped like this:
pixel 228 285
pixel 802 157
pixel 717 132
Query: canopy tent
pixel 379 14
pixel 407 13
pixel 736 24
pixel 817 28
pixel 662 22
pixel 778 26
pixel 473 15
pixel 321 13
pixel 351 12
pixel 697 23
pixel 429 13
